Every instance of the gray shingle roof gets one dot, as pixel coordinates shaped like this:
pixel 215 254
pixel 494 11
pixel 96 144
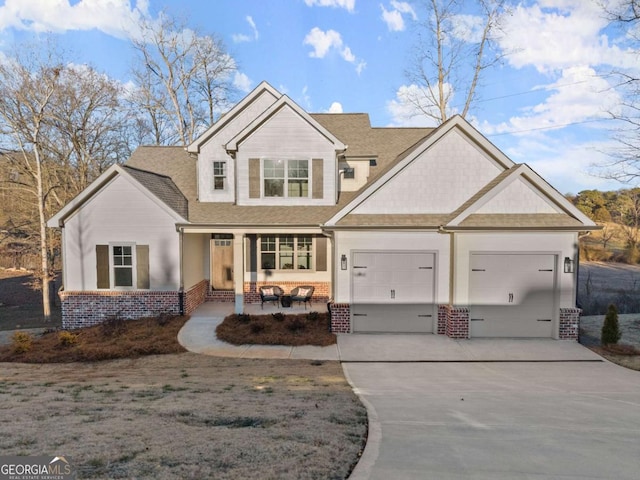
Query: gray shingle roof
pixel 162 187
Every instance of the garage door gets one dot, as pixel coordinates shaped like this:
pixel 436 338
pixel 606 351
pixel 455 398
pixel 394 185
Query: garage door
pixel 512 295
pixel 393 292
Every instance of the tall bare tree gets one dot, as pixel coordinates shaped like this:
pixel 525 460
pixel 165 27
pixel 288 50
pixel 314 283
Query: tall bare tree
pixel 451 56
pixel 27 86
pixel 625 158
pixel 182 78
pixel 61 126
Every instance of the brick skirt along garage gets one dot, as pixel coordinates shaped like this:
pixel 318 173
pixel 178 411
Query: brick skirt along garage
pixel 393 292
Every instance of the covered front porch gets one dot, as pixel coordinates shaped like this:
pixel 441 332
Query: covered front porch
pixel 235 262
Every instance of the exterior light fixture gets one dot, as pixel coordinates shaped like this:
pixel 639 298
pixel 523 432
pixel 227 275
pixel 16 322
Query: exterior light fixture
pixel 343 262
pixel 568 265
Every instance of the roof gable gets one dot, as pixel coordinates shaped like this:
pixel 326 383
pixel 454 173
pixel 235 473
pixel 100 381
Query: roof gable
pixel 518 192
pixel 282 103
pixel 162 184
pixel 435 176
pixel 264 89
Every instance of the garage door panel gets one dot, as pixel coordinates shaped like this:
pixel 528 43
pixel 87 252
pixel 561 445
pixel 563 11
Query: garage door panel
pixel 512 295
pixel 392 318
pixel 393 292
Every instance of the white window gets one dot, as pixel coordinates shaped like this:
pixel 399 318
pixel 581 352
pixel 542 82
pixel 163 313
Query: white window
pixel 286 252
pixel 123 261
pixel 219 175
pixel 286 178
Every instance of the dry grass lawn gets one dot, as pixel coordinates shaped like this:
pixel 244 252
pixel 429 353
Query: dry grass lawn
pixel 185 416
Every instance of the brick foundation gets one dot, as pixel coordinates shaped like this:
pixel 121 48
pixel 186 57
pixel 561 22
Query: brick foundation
pixel 221 296
pixel 340 317
pixel 442 319
pixel 569 323
pixel 83 309
pixel 457 325
pixel 195 296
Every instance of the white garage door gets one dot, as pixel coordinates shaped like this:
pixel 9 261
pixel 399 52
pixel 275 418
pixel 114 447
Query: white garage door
pixel 393 292
pixel 512 295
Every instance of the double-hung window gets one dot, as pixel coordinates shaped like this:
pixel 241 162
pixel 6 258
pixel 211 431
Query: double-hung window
pixel 286 252
pixel 123 260
pixel 219 175
pixel 286 178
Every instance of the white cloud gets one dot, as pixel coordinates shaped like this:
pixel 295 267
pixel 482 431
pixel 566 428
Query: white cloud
pixel 578 95
pixel 113 17
pixel 242 37
pixel 348 5
pixel 242 82
pixel 557 34
pixel 405 110
pixel 336 107
pixel 323 42
pixel 393 18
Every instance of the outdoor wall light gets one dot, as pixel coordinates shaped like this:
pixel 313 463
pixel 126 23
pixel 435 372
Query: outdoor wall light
pixel 568 265
pixel 343 262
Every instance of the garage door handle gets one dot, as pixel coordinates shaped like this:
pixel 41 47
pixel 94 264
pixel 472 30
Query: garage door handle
pixel 544 319
pixel 511 298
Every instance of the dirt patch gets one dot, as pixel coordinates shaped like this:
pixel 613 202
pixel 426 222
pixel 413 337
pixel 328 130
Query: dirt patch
pixel 21 303
pixel 185 416
pixel 311 328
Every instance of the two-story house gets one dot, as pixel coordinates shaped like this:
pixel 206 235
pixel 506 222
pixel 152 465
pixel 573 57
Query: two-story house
pixel 399 229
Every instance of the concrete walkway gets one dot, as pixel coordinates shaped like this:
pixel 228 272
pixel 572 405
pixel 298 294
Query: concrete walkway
pixel 198 335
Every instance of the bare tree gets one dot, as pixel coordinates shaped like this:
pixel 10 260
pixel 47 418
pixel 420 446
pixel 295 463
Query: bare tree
pixel 61 126
pixel 625 158
pixel 27 86
pixel 450 59
pixel 182 77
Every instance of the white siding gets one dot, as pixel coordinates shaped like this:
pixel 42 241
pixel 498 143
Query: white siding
pixel 121 212
pixel 560 244
pixel 518 197
pixel 286 135
pixel 195 249
pixel 438 181
pixel 349 242
pixel 213 150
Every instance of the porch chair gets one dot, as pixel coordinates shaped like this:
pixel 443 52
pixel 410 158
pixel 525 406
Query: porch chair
pixel 270 293
pixel 302 293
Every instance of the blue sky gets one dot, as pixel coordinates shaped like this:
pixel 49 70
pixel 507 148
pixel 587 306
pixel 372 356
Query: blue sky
pixel 546 104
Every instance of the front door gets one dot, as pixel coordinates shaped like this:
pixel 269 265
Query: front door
pixel 222 262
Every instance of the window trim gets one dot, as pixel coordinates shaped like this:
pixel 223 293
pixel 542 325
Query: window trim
pixel 112 266
pixel 295 253
pixel 286 178
pixel 223 176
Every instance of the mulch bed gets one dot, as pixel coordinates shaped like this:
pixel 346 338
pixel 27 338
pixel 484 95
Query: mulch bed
pixel 311 328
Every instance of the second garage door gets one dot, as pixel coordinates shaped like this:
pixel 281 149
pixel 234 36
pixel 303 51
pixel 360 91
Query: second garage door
pixel 512 295
pixel 393 291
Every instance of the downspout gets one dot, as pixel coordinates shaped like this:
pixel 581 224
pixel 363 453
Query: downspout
pixel 331 238
pixel 181 289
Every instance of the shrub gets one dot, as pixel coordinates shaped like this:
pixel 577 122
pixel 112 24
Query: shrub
pixel 313 316
pixel 279 316
pixel 256 327
pixel 295 324
pixel 164 318
pixel 67 339
pixel 611 328
pixel 22 342
pixel 113 325
pixel 244 318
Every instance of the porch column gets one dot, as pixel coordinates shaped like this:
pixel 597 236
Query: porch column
pixel 238 271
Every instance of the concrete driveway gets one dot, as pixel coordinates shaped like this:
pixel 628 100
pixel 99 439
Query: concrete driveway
pixel 511 420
